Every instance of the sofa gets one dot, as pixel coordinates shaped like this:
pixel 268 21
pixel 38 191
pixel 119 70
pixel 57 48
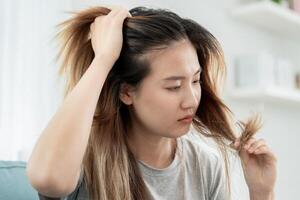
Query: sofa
pixel 14 184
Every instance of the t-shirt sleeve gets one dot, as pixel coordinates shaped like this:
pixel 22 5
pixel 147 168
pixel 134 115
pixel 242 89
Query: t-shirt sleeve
pixel 218 187
pixel 71 196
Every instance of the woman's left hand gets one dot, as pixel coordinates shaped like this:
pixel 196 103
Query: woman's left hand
pixel 259 165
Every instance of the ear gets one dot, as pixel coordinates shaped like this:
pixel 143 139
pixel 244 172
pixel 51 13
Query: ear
pixel 126 93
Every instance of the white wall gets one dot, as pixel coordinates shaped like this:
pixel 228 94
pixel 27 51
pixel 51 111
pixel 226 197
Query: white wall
pixel 29 88
pixel 281 120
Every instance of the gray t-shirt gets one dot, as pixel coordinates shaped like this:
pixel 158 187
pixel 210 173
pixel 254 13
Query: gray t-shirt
pixel 196 173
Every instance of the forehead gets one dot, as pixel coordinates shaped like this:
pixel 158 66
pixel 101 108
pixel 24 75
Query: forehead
pixel 180 58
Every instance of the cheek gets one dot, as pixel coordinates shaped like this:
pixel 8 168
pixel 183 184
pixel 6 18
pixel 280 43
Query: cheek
pixel 157 108
pixel 156 112
pixel 161 104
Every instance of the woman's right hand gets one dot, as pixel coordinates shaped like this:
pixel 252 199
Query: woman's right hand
pixel 106 33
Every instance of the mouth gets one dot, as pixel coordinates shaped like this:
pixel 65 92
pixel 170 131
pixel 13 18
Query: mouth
pixel 186 119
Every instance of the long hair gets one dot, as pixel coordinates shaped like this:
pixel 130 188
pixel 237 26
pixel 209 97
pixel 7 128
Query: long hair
pixel 110 168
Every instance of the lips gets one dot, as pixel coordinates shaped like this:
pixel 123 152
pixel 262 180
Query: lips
pixel 187 117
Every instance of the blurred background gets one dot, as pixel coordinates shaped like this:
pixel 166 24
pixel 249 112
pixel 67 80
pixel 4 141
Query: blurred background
pixel 260 39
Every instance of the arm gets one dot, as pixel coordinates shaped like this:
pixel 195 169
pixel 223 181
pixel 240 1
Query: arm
pixel 67 135
pixel 55 164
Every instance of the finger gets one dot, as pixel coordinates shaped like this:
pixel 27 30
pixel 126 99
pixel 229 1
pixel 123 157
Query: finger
pixel 251 150
pixel 123 13
pixel 261 150
pixel 249 143
pixel 115 10
pixel 127 13
pixel 244 156
pixel 120 17
pixel 266 151
pixel 256 144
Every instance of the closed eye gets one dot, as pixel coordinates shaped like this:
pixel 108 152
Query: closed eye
pixel 178 87
pixel 173 88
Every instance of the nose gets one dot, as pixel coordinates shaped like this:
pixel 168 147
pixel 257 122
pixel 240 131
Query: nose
pixel 191 98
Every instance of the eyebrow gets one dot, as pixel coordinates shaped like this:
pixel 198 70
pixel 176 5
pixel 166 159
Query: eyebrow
pixel 171 78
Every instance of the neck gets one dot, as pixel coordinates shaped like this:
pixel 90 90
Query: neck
pixel 156 151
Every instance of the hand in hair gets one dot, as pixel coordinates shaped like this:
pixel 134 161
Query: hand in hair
pixel 106 33
pixel 259 166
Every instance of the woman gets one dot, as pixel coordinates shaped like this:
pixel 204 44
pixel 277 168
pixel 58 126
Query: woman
pixel 137 82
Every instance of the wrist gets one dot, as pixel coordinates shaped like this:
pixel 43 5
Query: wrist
pixel 104 57
pixel 104 61
pixel 261 196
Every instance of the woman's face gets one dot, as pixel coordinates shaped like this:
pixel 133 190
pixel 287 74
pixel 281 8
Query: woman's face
pixel 170 92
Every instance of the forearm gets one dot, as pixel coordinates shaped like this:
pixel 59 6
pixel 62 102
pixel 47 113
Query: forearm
pixel 60 149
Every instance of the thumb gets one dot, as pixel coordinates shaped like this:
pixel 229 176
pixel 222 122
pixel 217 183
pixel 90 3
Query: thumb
pixel 244 155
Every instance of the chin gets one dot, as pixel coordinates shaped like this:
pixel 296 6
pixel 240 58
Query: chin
pixel 178 133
